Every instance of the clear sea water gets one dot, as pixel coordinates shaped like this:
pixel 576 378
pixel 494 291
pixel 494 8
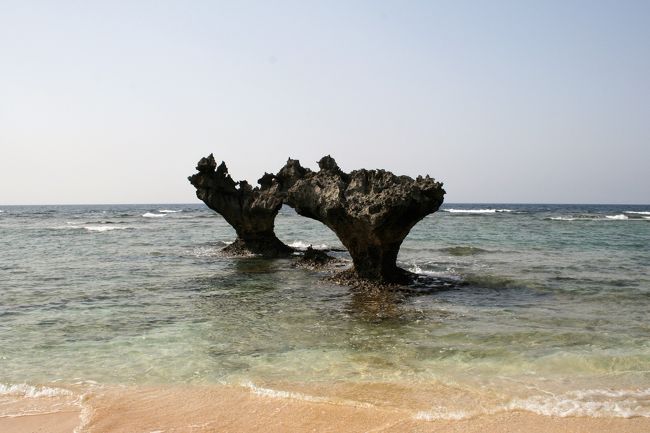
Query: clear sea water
pixel 550 311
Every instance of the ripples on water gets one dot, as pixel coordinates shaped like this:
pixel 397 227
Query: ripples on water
pixel 551 299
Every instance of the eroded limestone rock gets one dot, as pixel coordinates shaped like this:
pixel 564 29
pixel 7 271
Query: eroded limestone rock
pixel 251 211
pixel 371 211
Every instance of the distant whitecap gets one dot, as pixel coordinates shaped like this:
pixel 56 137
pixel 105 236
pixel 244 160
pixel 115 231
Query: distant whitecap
pixel 153 215
pixel 476 211
pixel 619 217
pixel 104 228
pixel 616 217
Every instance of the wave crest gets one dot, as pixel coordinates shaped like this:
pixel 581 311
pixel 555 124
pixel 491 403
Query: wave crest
pixel 300 245
pixel 30 391
pixel 477 211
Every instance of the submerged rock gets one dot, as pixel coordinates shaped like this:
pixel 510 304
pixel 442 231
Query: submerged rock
pixel 320 260
pixel 250 211
pixel 371 211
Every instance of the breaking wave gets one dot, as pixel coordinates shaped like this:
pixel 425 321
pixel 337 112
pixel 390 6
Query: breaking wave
pixel 561 218
pixel 300 245
pixel 477 211
pixel 617 217
pixel 168 211
pixel 91 228
pixel 153 215
pixel 24 390
pixel 448 274
pixel 104 228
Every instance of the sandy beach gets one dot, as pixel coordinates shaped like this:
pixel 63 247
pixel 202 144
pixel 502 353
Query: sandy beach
pixel 240 410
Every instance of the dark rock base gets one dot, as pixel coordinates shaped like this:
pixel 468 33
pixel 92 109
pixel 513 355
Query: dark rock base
pixel 318 260
pixel 267 247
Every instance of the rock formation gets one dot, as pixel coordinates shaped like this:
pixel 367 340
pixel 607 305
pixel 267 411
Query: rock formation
pixel 251 211
pixel 371 211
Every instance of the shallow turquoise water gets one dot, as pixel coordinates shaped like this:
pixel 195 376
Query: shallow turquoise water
pixel 550 299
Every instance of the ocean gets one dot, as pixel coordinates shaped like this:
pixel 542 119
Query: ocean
pixel 544 308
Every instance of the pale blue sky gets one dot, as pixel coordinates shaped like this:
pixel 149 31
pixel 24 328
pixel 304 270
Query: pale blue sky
pixel 114 102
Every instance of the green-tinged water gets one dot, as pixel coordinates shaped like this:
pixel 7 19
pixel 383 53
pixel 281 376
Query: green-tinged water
pixel 550 306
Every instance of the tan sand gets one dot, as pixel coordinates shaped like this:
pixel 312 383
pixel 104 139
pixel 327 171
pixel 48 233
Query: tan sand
pixel 227 409
pixel 58 422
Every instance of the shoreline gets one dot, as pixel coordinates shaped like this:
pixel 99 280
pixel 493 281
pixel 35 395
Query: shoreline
pixel 244 409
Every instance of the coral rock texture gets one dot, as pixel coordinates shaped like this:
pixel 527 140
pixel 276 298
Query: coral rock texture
pixel 251 211
pixel 371 211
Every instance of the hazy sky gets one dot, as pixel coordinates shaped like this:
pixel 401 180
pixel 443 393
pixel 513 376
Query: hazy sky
pixel 115 102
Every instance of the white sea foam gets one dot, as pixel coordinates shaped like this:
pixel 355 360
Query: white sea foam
pixel 619 217
pixel 104 228
pixel 637 212
pixel 415 269
pixel 477 211
pixel 206 251
pixel 168 211
pixel 304 245
pixel 568 219
pixel 210 251
pixel 444 414
pixel 595 403
pixel 24 390
pixel 616 217
pixel 153 215
pixel 90 228
pixel 85 416
pixel 447 273
pixel 274 393
pixel 591 403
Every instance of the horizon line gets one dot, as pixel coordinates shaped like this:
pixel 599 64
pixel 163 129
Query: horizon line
pixel 445 203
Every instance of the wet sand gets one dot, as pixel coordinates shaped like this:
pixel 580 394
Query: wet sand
pixel 60 422
pixel 230 409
